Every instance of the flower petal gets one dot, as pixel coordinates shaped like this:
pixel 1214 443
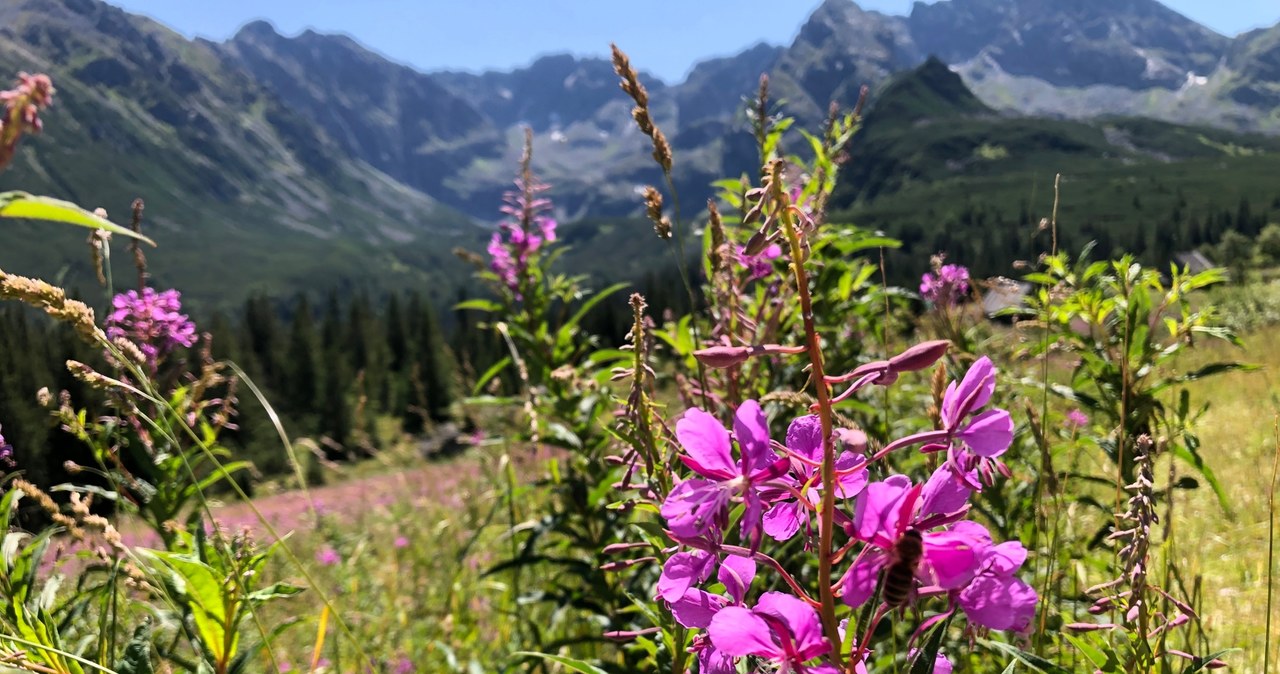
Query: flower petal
pixel 860 582
pixel 706 445
pixel 804 437
pixel 696 608
pixel 712 660
pixel 971 393
pixel 782 521
pixel 951 558
pixel 999 603
pixel 752 431
pixel 682 571
pixel 989 434
pixel 736 573
pixel 1005 559
pixel 801 620
pixel 738 631
pixel 877 511
pixel 852 480
pixel 943 494
pixel 696 507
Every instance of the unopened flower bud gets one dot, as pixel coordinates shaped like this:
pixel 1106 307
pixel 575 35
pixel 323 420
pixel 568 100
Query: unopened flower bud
pixel 727 356
pixel 920 356
pixel 629 635
pixel 1088 627
pixel 756 244
pixel 615 548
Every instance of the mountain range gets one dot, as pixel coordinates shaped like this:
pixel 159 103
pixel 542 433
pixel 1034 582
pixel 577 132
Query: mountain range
pixel 278 163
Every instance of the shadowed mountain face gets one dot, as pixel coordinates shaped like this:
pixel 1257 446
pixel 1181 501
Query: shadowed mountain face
pixel 304 157
pixel 1254 67
pixel 397 119
pixel 230 173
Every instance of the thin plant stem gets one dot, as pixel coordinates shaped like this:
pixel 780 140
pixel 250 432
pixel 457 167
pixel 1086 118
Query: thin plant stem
pixel 1046 456
pixel 1271 550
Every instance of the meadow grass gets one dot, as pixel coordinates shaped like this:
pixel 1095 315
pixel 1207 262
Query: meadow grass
pixel 1227 552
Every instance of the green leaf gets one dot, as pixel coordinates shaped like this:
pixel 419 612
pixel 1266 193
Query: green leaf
pixel 493 371
pixel 589 304
pixel 1029 659
pixel 23 205
pixel 1200 663
pixel 479 305
pixel 275 591
pixel 202 592
pixel 926 657
pixel 575 665
pixel 1093 653
pixel 1196 460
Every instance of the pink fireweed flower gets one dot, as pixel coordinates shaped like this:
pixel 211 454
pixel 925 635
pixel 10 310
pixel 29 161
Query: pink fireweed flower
pixel 695 608
pixel 699 507
pixel 1076 420
pixel 21 111
pixel 683 571
pixel 520 237
pixel 782 629
pixel 946 287
pixel 6 451
pixel 804 442
pixel 151 320
pixel 761 265
pixel 886 510
pixel 401 542
pixel 975 438
pixel 327 556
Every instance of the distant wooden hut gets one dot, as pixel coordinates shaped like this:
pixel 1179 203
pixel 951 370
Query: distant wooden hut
pixel 1193 261
pixel 1002 294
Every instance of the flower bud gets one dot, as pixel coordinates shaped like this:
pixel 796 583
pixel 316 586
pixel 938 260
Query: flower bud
pixel 1088 627
pixel 723 356
pixel 756 244
pixel 920 356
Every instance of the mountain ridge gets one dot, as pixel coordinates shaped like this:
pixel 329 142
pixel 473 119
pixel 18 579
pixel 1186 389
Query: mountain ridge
pixel 325 145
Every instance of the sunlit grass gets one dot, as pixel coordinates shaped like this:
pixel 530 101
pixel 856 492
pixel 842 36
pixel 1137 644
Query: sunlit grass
pixel 1229 553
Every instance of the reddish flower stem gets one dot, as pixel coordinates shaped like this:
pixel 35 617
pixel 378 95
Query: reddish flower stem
pixel 826 514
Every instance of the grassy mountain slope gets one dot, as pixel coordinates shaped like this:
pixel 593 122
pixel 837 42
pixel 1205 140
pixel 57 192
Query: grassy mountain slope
pixel 241 192
pixel 935 168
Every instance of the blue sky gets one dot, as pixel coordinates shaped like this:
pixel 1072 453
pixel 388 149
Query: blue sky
pixel 664 37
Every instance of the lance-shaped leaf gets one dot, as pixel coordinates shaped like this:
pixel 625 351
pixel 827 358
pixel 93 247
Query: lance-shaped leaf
pixel 23 205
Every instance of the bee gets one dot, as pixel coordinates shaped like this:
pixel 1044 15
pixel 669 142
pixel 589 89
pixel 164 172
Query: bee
pixel 901 571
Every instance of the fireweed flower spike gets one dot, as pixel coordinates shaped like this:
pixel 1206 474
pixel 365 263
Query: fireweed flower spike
pixel 946 287
pixel 6 452
pixel 699 507
pixel 153 321
pixel 21 111
pixel 780 628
